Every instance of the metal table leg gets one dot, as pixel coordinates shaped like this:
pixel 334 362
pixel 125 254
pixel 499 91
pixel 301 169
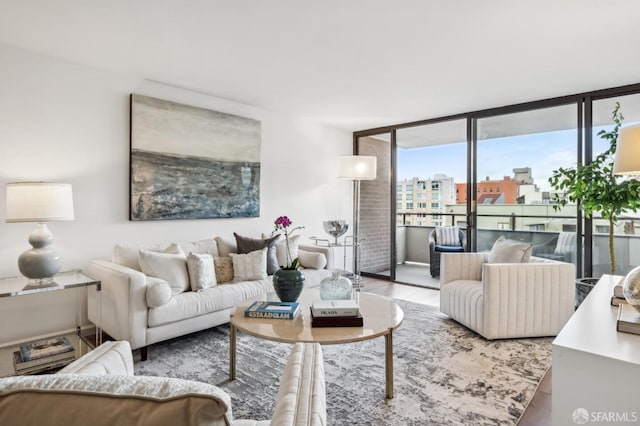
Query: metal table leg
pixel 388 363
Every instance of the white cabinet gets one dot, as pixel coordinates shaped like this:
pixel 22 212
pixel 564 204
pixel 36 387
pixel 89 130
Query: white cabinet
pixel 595 368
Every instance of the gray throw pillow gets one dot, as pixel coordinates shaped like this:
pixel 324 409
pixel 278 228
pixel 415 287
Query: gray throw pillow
pixel 247 245
pixel 509 251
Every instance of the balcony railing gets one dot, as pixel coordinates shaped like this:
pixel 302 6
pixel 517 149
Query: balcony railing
pixel 412 240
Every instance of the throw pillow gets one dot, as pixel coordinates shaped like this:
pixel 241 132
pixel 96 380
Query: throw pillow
pixel 127 254
pixel 167 266
pixel 208 246
pixel 223 267
pixel 250 266
pixel 566 243
pixel 247 245
pixel 225 247
pixel 281 248
pixel 309 259
pixel 448 236
pixel 158 292
pixel 202 273
pixel 510 251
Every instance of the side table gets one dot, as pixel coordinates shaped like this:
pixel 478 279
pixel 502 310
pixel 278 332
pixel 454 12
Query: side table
pixel 20 286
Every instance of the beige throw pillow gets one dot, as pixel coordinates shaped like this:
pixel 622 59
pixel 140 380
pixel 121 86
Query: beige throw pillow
pixel 510 251
pixel 169 267
pixel 281 248
pixel 225 246
pixel 250 266
pixel 223 266
pixel 202 273
pixel 309 259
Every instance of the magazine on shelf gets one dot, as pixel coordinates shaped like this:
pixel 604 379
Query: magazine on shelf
pixel 335 308
pixel 46 348
pixel 41 364
pixel 272 310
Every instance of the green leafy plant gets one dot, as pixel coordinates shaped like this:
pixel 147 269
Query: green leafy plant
pixel 595 188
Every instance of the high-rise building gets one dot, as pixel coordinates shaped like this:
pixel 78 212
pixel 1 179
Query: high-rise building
pixel 418 197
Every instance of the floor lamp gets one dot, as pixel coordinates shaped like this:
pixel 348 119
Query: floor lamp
pixel 356 168
pixel 627 162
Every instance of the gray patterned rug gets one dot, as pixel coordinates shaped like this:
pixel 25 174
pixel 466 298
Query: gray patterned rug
pixel 444 373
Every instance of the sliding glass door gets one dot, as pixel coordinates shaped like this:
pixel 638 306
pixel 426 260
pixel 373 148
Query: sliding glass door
pixel 430 187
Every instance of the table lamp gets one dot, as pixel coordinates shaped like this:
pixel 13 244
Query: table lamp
pixel 356 168
pixel 39 202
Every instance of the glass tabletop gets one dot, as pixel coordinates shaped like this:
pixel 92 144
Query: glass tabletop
pixel 18 286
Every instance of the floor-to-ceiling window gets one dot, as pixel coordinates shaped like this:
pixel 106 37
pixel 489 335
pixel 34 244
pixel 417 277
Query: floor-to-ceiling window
pixel 508 154
pixel 431 171
pixel 626 231
pixel 515 155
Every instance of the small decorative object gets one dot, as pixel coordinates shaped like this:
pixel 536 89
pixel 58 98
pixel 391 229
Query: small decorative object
pixel 335 228
pixel 631 287
pixel 288 281
pixel 335 287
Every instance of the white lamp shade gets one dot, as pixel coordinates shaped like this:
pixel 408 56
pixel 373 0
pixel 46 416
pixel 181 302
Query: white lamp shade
pixel 39 202
pixel 357 167
pixel 627 159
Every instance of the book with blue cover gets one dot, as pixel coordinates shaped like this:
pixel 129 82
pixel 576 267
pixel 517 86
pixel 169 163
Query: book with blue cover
pixel 272 310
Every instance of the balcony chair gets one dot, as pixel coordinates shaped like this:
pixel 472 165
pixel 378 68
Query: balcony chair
pixel 444 239
pixel 562 247
pixel 531 298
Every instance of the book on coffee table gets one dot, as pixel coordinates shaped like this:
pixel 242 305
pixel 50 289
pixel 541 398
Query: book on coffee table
pixel 272 310
pixel 337 321
pixel 335 308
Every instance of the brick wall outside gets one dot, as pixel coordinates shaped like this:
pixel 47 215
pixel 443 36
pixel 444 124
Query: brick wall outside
pixel 375 209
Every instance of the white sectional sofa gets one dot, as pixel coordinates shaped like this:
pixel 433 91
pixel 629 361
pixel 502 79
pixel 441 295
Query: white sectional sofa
pixel 100 389
pixel 143 309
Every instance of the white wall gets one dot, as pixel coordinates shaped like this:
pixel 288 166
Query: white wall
pixel 61 121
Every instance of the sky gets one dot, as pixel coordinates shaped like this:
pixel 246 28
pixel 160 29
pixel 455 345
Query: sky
pixel 542 152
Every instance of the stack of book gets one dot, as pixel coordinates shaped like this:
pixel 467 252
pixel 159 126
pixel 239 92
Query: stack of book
pixel 618 297
pixel 272 310
pixel 43 355
pixel 628 319
pixel 335 313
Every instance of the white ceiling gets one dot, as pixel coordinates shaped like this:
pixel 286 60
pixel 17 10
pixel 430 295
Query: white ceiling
pixel 354 64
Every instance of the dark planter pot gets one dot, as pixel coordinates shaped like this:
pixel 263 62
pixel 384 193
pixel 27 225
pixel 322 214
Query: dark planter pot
pixel 584 287
pixel 288 284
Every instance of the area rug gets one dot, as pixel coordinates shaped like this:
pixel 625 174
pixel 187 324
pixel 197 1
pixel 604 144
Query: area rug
pixel 443 373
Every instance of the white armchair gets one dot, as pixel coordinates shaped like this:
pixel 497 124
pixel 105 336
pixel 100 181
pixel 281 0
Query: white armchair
pixel 507 300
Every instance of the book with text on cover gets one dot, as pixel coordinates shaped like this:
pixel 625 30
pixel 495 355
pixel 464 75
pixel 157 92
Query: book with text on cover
pixel 335 308
pixel 272 310
pixel 45 348
pixel 41 364
pixel 628 319
pixel 337 321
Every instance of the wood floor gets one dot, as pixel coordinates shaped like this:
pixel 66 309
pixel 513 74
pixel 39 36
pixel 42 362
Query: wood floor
pixel 539 411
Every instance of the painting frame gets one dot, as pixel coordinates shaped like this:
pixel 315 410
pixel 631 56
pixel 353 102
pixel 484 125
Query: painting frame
pixel 188 162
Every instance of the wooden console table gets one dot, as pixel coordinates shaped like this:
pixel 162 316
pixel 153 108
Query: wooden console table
pixel 595 367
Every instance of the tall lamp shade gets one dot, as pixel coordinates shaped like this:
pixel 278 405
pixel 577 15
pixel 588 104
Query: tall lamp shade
pixel 39 202
pixel 357 167
pixel 627 158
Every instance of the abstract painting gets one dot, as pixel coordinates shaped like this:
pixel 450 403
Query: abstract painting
pixel 192 163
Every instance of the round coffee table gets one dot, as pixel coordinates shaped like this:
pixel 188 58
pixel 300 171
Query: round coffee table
pixel 380 316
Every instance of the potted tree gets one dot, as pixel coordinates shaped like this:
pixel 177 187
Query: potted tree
pixel 595 188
